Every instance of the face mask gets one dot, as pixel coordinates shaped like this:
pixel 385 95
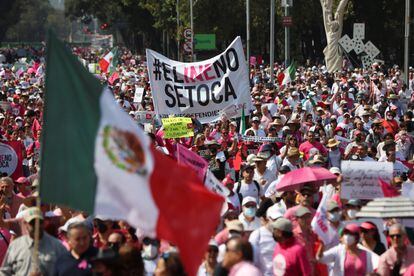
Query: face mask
pixel 389 118
pixel 150 251
pixel 339 133
pixel 249 212
pixel 334 217
pixel 348 239
pixel 101 227
pixel 351 213
pixel 19 124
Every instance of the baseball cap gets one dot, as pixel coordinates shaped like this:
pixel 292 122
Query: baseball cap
pixel 32 213
pixel 335 170
pixel 282 224
pixel 301 211
pixel 235 225
pixel 353 228
pixel 354 202
pixel 274 212
pixel 23 180
pixel 248 199
pixel 332 205
pixel 255 119
pixel 368 225
pixel 70 221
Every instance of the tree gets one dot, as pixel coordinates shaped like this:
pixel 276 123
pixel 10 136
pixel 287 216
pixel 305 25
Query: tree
pixel 333 24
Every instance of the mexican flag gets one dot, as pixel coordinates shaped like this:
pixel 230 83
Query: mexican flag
pixel 289 74
pixel 109 61
pixel 95 158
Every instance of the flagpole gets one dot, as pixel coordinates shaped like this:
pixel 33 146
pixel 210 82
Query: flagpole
pixel 35 254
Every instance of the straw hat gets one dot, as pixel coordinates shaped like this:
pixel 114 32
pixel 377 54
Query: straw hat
pixel 293 152
pixel 332 143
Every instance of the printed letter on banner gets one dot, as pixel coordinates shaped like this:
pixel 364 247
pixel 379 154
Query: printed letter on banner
pixel 201 89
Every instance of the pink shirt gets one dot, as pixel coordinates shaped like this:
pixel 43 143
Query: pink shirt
pixel 243 269
pixel 290 259
pixel 389 258
pixel 355 265
pixel 305 147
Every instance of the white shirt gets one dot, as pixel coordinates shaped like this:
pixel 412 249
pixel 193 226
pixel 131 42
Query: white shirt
pixel 267 175
pixel 292 167
pixel 273 164
pixel 249 225
pixel 248 190
pixel 263 247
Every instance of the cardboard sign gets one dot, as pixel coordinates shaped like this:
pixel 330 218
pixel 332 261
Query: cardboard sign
pixel 201 89
pixel 139 92
pixel 359 31
pixel 11 159
pixel 192 160
pixel 145 117
pixel 371 50
pixel 177 127
pixel 360 178
pixel 367 61
pixel 358 45
pixel 346 43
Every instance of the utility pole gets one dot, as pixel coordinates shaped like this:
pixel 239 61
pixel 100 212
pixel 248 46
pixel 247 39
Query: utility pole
pixel 178 30
pixel 406 40
pixel 287 37
pixel 272 40
pixel 192 30
pixel 248 34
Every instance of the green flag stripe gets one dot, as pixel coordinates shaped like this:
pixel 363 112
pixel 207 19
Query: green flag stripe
pixel 71 121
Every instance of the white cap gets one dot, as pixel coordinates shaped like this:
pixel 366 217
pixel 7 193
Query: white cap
pixel 248 199
pixel 65 227
pixel 335 170
pixel 274 212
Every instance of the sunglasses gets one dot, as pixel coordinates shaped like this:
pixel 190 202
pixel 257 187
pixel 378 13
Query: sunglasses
pixel 395 236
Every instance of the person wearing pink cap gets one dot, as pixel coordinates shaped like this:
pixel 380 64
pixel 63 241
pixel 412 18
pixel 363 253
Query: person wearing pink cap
pixel 23 186
pixel 370 238
pixel 349 257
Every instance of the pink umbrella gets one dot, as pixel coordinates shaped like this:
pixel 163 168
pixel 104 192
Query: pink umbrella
pixel 314 176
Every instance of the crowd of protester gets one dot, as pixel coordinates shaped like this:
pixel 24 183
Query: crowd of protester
pixel 319 119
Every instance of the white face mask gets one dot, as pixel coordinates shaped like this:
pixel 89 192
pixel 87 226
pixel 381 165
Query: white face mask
pixel 334 217
pixel 348 239
pixel 351 213
pixel 150 251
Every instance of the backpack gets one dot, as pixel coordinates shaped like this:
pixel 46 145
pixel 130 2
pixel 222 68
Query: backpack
pixel 241 196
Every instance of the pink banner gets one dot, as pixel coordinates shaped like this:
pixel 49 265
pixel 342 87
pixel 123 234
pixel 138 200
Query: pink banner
pixel 193 160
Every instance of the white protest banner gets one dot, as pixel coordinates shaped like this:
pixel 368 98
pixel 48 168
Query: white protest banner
pixel 201 89
pixel 214 185
pixel 258 139
pixel 360 178
pixel 319 222
pixel 139 92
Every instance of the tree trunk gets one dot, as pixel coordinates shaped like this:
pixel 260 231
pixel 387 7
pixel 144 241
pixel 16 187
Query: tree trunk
pixel 333 24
